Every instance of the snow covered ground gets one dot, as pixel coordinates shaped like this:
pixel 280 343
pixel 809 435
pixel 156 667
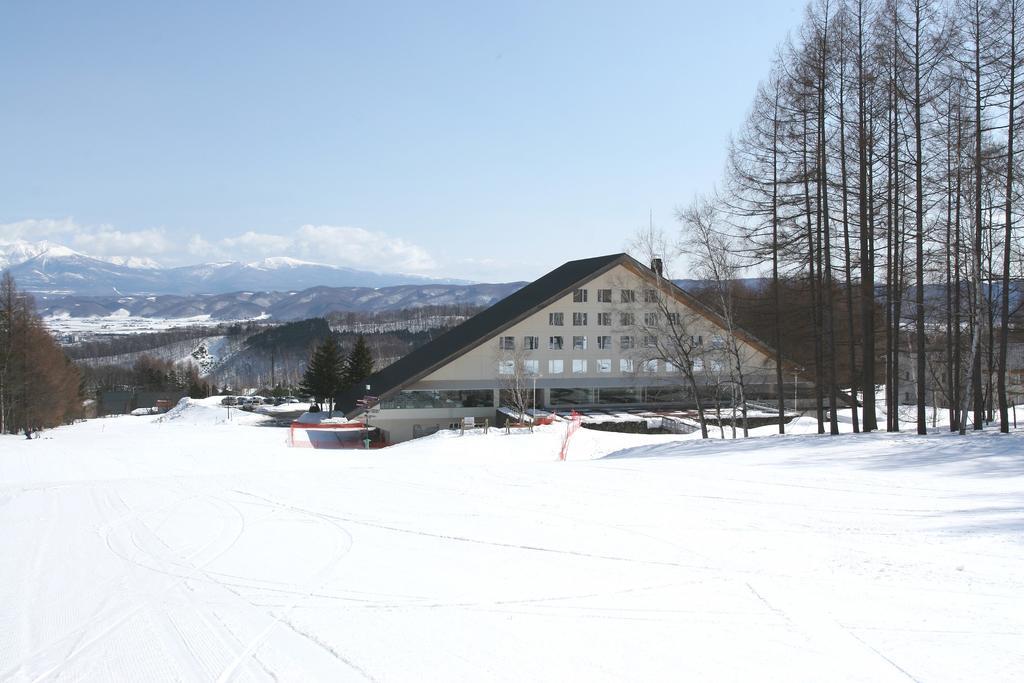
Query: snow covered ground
pixel 190 547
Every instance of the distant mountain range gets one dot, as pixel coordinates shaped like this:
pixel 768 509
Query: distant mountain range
pixel 307 303
pixel 45 267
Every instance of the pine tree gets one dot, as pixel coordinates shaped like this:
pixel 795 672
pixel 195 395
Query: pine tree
pixel 358 364
pixel 325 373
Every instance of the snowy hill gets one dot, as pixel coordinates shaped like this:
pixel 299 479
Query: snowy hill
pixel 198 546
pixel 46 267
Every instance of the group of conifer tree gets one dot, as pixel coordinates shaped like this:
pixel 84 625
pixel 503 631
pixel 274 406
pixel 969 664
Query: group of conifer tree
pixel 39 385
pixel 879 167
pixel 329 372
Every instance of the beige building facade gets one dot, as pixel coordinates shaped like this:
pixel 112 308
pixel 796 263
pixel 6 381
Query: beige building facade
pixel 599 340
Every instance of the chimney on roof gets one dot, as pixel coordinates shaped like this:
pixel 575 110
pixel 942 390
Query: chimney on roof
pixel 657 266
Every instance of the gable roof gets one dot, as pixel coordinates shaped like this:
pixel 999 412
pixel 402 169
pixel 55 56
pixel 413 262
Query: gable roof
pixel 515 307
pixel 478 329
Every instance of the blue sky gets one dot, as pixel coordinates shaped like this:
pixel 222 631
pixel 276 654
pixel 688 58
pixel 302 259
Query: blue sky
pixel 488 141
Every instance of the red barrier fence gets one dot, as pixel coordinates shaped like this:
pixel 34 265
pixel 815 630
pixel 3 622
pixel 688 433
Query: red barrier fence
pixel 571 426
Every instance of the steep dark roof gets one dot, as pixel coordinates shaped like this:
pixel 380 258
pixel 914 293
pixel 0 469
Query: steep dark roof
pixel 478 329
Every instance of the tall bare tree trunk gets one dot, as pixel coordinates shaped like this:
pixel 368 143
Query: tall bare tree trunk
pixel 825 237
pixel 867 247
pixel 919 342
pixel 976 389
pixel 848 256
pixel 1004 312
pixel 779 382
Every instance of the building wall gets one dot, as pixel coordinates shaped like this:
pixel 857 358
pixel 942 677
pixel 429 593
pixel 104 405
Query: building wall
pixel 402 425
pixel 480 365
pixel 478 368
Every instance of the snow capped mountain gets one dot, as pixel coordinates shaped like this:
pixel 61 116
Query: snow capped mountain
pixel 16 253
pixel 276 262
pixel 133 262
pixel 46 267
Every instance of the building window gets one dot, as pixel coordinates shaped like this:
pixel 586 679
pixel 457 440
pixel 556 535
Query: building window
pixel 604 296
pixel 571 396
pixel 698 364
pixel 507 343
pixel 649 366
pixel 418 398
pixel 673 318
pixel 531 343
pixel 604 342
pixel 604 319
pixel 557 319
pixel 579 365
pixel 579 296
pixel 532 367
pixel 556 367
pixel 555 343
pixel 650 296
pixel 717 342
pixel 696 340
pixel 619 395
pixel 650 342
pixel 651 319
pixel 716 366
pixel 579 343
pixel 604 365
pixel 627 296
pixel 626 319
pixel 670 366
pixel 625 365
pixel 625 343
pixel 579 319
pixel 506 367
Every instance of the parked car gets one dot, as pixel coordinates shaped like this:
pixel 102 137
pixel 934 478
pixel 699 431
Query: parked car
pixel 229 401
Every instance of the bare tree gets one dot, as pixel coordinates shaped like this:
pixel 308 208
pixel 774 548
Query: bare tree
pixel 517 374
pixel 719 266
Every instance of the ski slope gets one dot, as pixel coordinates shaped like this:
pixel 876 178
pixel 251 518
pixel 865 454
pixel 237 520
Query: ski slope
pixel 191 547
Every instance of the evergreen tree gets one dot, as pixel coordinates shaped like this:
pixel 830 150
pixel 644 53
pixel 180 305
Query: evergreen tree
pixel 358 364
pixel 325 373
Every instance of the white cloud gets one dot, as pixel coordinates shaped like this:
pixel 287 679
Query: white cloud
pixel 106 241
pixel 34 230
pixel 331 244
pixel 255 243
pixel 361 248
pixel 197 246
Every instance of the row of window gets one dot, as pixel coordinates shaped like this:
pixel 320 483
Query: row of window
pixel 579 342
pixel 580 319
pixel 626 296
pixel 556 366
pixel 484 398
pixel 460 398
pixel 619 395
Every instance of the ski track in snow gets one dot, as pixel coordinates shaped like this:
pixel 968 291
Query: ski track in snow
pixel 194 549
